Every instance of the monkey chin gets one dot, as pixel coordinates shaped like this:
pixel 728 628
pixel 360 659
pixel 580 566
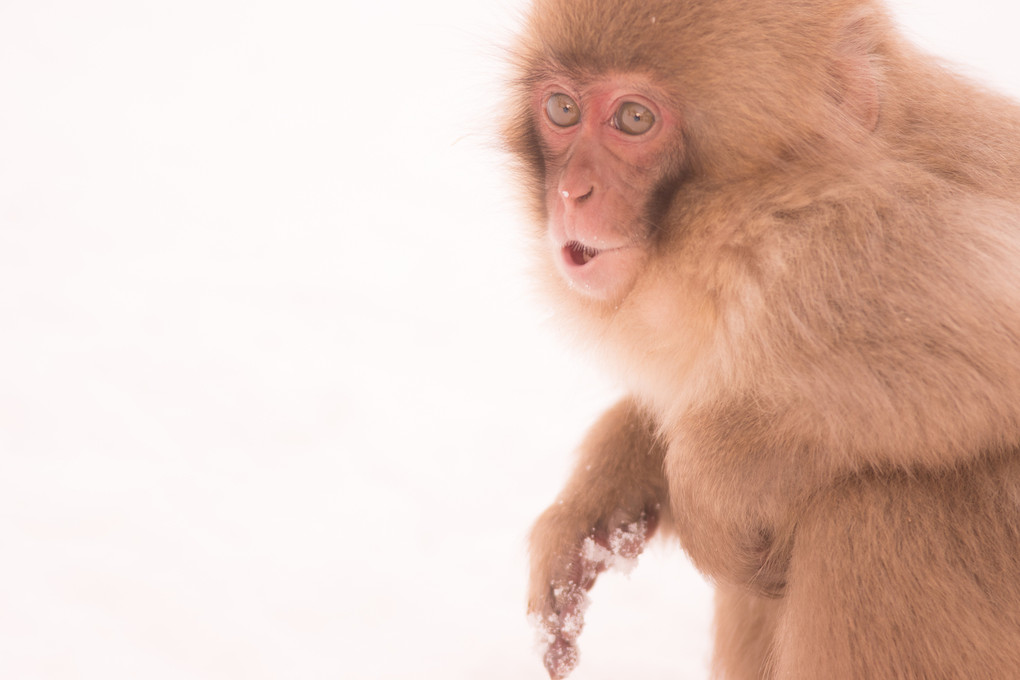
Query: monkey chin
pixel 605 275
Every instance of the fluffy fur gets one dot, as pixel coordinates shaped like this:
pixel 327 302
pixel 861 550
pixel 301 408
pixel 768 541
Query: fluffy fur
pixel 823 347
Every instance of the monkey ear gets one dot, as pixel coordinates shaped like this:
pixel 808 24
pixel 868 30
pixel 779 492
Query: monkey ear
pixel 855 71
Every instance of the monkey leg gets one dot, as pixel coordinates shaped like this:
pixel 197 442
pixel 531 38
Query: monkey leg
pixel 610 506
pixel 907 575
pixel 745 627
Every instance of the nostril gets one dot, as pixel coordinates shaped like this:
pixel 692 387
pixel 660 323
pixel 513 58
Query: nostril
pixel 567 195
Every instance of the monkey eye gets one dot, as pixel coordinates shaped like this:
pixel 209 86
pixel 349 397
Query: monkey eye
pixel 633 118
pixel 562 110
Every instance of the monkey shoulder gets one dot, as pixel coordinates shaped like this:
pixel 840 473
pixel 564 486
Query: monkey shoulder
pixel 859 323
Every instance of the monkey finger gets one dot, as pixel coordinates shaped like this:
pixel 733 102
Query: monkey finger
pixel 560 658
pixel 619 545
pixel 560 627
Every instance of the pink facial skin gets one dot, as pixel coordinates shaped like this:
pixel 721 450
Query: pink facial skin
pixel 599 178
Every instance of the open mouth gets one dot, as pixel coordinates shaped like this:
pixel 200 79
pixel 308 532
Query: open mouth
pixel 601 273
pixel 580 254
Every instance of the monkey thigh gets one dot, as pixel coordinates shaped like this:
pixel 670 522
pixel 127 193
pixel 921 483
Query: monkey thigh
pixel 907 575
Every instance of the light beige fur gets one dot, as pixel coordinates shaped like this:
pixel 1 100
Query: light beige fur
pixel 823 347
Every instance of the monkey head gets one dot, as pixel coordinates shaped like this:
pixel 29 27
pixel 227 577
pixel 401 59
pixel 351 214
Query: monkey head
pixel 623 109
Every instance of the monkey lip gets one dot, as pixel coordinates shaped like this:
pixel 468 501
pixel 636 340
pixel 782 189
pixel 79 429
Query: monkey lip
pixel 579 254
pixel 600 273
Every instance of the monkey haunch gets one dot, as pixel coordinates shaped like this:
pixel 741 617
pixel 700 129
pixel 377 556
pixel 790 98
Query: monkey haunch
pixel 797 240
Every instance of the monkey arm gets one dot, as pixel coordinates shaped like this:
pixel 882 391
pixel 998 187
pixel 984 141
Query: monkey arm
pixel 611 505
pixel 737 485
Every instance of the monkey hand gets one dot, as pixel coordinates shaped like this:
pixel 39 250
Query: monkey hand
pixel 565 564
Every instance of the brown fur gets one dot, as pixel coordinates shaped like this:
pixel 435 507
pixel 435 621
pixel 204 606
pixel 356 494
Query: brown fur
pixel 823 346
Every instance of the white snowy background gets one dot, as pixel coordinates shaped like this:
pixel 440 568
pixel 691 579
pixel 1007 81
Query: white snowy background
pixel 277 399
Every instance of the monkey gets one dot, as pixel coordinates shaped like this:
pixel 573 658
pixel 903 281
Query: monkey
pixel 794 239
